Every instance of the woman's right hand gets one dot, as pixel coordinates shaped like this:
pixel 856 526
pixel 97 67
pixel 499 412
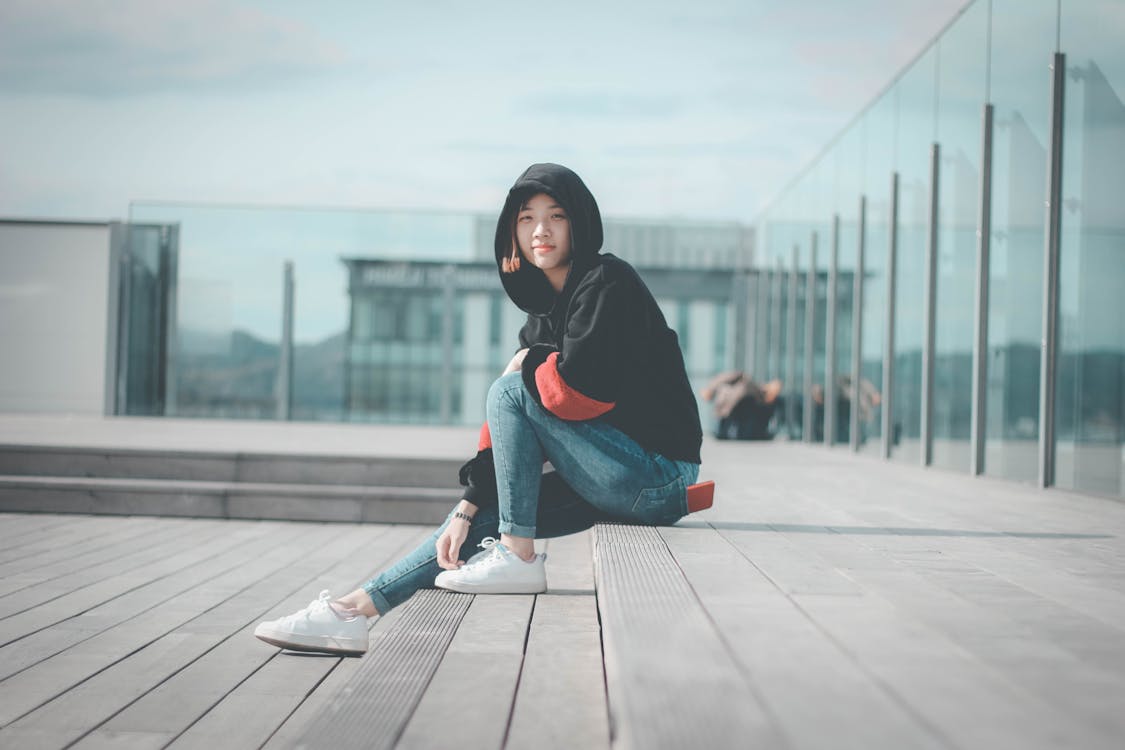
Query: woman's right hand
pixel 449 543
pixel 517 362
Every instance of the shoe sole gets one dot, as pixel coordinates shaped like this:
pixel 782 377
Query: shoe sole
pixel 309 645
pixel 467 588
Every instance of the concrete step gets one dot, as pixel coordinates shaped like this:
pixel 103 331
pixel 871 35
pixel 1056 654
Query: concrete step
pixel 229 466
pixel 226 499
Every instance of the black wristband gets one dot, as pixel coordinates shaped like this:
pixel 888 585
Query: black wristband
pixel 465 516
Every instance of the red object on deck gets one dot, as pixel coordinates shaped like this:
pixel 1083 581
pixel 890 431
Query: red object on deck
pixel 700 496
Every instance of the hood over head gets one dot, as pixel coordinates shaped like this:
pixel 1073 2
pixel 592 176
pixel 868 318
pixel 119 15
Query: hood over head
pixel 528 287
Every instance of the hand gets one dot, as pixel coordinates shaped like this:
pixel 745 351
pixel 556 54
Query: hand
pixel 517 362
pixel 449 543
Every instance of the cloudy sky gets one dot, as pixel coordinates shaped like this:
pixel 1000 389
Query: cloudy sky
pixel 668 109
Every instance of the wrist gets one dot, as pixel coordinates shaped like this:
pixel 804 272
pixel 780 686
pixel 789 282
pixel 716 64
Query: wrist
pixel 467 508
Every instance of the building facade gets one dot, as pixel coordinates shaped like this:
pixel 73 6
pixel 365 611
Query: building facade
pixel 426 339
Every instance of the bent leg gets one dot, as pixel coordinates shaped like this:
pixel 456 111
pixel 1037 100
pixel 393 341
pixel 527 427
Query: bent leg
pixel 605 466
pixel 560 511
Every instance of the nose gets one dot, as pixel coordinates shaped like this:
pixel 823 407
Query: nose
pixel 541 230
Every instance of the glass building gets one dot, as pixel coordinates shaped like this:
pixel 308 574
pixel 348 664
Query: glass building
pixel 973 211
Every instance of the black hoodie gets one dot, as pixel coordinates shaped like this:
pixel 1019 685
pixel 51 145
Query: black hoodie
pixel 600 348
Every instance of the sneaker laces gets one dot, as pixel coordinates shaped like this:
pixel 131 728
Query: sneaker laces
pixel 491 552
pixel 319 604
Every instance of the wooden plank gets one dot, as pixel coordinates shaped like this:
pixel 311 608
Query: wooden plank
pixel 971 702
pixel 476 681
pixel 192 702
pixel 247 592
pixel 30 546
pixel 381 696
pixel 59 551
pixel 181 597
pixel 671 680
pixel 819 695
pixel 289 733
pixel 82 567
pixel 69 605
pixel 72 713
pixel 14 526
pixel 105 575
pixel 561 701
pixel 570 564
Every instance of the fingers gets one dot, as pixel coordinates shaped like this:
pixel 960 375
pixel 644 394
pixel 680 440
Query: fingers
pixel 443 559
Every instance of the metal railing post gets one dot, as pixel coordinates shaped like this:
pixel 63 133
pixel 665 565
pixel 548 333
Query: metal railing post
pixel 1048 362
pixel 830 336
pixel 929 310
pixel 809 413
pixel 978 418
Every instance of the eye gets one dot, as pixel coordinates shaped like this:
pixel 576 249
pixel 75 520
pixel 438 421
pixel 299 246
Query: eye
pixel 559 217
pixel 524 218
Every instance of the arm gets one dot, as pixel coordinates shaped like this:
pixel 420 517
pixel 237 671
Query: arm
pixel 478 476
pixel 583 379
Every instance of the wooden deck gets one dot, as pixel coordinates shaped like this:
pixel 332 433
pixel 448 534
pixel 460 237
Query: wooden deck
pixel 844 602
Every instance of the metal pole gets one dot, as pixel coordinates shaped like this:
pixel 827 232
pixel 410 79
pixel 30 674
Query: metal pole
pixel 124 323
pixel 447 321
pixel 349 340
pixel 778 279
pixel 1048 363
pixel 810 342
pixel 171 329
pixel 889 341
pixel 980 344
pixel 118 237
pixel 745 321
pixel 929 310
pixel 285 365
pixel 857 327
pixel 760 369
pixel 791 347
pixel 830 336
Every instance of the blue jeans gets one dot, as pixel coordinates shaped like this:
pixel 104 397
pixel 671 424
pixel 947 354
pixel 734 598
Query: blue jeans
pixel 600 474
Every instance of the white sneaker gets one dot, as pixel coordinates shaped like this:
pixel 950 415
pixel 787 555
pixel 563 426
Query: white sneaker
pixel 317 627
pixel 496 570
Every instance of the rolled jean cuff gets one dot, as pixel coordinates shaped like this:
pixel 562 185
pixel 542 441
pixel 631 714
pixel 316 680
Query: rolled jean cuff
pixel 513 529
pixel 378 600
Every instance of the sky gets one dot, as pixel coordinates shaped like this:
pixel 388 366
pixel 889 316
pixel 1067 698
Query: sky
pixel 700 110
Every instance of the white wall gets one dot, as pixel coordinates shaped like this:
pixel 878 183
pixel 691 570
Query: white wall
pixel 54 281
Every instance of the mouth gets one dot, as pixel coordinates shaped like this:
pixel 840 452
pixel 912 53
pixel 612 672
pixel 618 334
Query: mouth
pixel 543 248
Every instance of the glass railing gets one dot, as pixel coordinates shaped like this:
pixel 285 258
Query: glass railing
pixel 996 52
pixel 396 316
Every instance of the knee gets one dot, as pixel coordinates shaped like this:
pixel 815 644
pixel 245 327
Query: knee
pixel 507 390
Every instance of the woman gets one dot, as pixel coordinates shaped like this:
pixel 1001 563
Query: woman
pixel 598 388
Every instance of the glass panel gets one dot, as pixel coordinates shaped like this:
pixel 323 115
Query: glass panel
pixel 961 93
pixel 1023 37
pixel 147 270
pixel 1091 390
pixel 880 123
pixel 916 133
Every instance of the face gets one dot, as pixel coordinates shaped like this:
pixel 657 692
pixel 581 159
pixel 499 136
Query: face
pixel 543 234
